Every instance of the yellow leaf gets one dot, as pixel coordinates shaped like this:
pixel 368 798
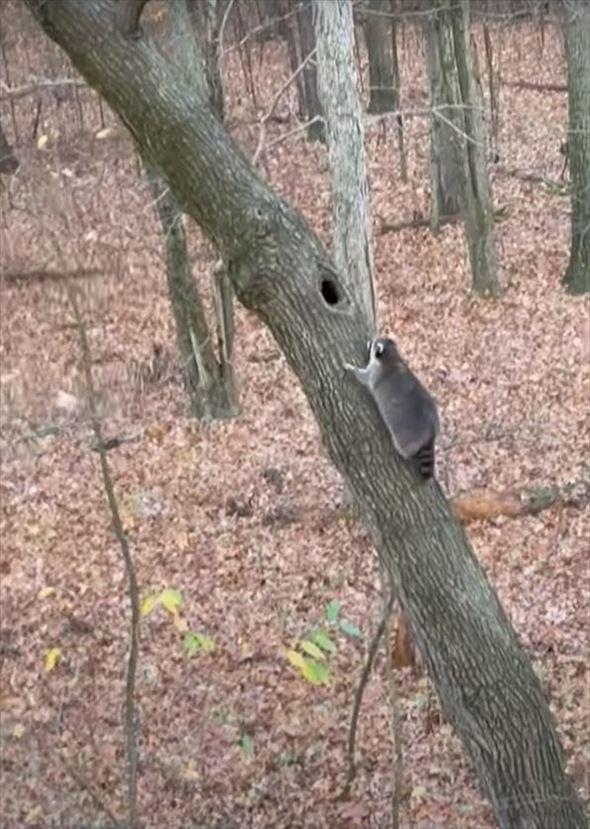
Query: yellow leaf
pixel 170 599
pixel 296 659
pixel 42 141
pixel 312 650
pixel 148 604
pixel 52 657
pixel 46 592
pixel 18 731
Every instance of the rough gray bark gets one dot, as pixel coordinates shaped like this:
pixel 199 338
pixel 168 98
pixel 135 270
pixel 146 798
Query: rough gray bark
pixel 209 382
pixel 383 94
pixel 349 187
pixel 315 131
pixel 577 43
pixel 458 107
pixel 207 17
pixel 290 28
pixel 8 161
pixel 445 155
pixel 279 270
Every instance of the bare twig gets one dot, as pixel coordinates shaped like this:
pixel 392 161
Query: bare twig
pixel 394 718
pixel 41 275
pixel 270 112
pixel 358 697
pixel 12 93
pixel 535 86
pixel 299 128
pixel 131 739
pixel 83 783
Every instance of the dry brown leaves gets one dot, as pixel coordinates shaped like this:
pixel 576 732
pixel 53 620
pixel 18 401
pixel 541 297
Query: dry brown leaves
pixel 513 386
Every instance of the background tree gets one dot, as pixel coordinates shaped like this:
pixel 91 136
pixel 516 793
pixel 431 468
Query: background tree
pixel 485 681
pixel 382 90
pixel 209 379
pixel 307 45
pixel 576 14
pixel 459 153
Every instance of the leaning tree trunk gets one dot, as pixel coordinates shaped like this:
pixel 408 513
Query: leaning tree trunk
pixel 383 94
pixel 279 269
pixel 349 187
pixel 577 43
pixel 457 106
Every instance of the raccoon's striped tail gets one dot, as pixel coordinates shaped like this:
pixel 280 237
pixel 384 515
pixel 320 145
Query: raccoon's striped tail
pixel 424 459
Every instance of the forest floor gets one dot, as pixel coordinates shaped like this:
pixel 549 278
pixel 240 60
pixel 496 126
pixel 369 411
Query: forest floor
pixel 244 517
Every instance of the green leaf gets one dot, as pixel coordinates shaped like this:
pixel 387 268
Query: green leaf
pixel 312 650
pixel 332 610
pixel 170 599
pixel 194 642
pixel 349 628
pixel 190 643
pixel 322 640
pixel 312 671
pixel 247 745
pixel 316 673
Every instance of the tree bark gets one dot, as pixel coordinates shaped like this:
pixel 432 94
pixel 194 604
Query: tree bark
pixel 457 105
pixel 279 270
pixel 8 161
pixel 383 95
pixel 445 155
pixel 576 15
pixel 209 383
pixel 349 187
pixel 315 131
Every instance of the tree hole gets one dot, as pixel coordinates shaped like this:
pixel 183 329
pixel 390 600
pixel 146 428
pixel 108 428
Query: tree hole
pixel 330 291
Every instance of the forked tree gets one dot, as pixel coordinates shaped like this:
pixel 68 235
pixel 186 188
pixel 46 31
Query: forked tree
pixel 280 270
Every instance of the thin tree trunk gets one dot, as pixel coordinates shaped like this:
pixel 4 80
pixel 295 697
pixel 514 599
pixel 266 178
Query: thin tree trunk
pixel 279 269
pixel 383 95
pixel 295 60
pixel 209 383
pixel 460 158
pixel 397 84
pixel 349 187
pixel 477 207
pixel 577 39
pixel 315 131
pixel 445 156
pixel 211 394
